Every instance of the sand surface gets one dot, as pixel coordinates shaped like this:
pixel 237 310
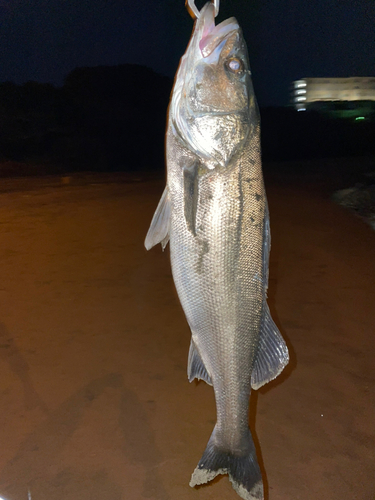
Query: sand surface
pixel 94 399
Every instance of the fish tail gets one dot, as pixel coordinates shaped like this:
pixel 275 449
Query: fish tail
pixel 243 469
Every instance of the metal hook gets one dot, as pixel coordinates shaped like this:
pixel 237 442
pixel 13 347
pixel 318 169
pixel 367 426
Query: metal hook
pixel 194 12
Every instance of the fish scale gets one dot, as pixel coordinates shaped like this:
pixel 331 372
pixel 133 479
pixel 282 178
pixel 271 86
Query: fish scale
pixel 214 214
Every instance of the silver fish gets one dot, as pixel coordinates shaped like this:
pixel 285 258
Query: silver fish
pixel 214 213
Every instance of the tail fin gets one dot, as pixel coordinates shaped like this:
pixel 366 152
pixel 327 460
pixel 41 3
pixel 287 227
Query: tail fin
pixel 243 470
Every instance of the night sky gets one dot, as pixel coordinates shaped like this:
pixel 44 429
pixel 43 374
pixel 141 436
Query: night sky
pixel 44 40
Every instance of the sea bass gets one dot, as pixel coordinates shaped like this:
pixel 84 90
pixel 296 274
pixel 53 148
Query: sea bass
pixel 214 214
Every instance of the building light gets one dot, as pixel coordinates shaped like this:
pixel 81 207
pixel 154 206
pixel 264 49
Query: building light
pixel 301 99
pixel 301 109
pixel 301 91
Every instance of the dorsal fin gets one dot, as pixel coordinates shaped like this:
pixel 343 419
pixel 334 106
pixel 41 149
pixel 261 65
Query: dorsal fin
pixel 272 355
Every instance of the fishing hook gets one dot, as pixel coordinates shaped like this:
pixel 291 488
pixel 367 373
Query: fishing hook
pixel 194 12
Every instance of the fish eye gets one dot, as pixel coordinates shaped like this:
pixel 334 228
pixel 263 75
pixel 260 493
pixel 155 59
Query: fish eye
pixel 234 65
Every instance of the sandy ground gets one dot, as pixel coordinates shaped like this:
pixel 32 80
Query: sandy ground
pixel 94 398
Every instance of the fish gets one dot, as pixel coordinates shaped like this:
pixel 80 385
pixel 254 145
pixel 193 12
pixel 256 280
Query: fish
pixel 214 214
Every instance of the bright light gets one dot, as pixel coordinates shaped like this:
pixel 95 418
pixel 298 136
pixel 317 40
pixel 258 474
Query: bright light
pixel 301 98
pixel 301 92
pixel 360 118
pixel 300 84
pixel 301 109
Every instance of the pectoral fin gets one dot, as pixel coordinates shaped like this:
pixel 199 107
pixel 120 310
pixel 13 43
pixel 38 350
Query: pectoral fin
pixel 272 356
pixel 159 228
pixel 191 195
pixel 196 368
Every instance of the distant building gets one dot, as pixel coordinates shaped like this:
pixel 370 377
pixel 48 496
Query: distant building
pixel 307 91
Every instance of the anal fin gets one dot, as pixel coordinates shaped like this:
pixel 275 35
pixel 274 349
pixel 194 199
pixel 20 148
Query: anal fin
pixel 196 368
pixel 272 356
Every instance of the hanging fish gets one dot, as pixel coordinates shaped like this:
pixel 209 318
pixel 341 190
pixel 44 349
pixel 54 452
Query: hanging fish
pixel 214 214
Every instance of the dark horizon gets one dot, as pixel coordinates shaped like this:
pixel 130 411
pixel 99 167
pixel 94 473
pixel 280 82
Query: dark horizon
pixel 44 42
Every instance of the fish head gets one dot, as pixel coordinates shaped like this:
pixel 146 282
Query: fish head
pixel 213 108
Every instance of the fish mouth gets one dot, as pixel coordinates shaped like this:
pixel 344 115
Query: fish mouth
pixel 208 36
